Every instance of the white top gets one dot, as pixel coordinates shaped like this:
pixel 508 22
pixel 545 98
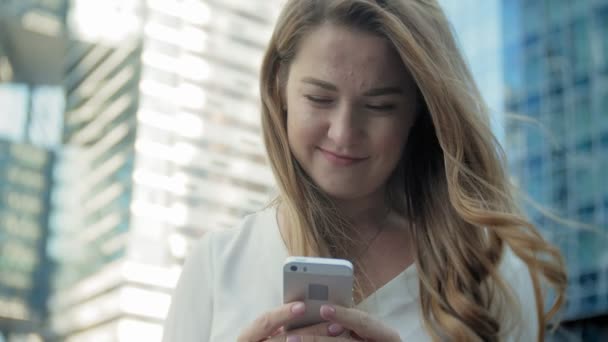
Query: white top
pixel 232 276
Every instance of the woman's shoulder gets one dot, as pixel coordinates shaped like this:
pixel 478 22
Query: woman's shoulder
pixel 224 243
pixel 516 273
pixel 258 222
pixel 511 264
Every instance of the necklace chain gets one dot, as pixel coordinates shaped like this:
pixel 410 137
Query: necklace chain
pixel 371 241
pixel 369 244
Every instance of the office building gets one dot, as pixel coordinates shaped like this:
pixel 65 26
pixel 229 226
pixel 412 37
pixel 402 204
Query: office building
pixel 31 44
pixel 556 79
pixel 24 266
pixel 477 27
pixel 162 143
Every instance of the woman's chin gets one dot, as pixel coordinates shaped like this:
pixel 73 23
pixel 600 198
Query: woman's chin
pixel 342 193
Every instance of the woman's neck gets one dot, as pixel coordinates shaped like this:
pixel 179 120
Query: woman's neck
pixel 365 213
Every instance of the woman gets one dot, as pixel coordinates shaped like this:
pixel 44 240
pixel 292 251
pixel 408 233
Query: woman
pixel 380 145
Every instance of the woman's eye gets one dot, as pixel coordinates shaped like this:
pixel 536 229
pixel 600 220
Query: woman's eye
pixel 382 107
pixel 319 99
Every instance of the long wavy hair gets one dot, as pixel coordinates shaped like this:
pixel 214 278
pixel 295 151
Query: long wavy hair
pixel 451 182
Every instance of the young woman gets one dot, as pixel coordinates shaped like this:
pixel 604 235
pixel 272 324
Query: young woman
pixel 380 145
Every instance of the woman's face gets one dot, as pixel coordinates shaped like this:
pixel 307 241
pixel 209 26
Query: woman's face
pixel 350 106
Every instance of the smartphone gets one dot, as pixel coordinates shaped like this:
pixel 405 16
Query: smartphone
pixel 316 281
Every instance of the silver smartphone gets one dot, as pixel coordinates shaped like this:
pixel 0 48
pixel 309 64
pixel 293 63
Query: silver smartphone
pixel 316 281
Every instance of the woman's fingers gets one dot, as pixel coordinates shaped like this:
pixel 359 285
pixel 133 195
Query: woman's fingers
pixel 297 338
pixel 268 326
pixel 360 322
pixel 321 329
pixel 268 323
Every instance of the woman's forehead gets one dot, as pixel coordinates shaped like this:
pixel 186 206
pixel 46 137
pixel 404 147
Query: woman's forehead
pixel 348 55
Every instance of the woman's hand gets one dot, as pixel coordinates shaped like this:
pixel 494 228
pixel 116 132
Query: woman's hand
pixel 362 326
pixel 341 321
pixel 269 326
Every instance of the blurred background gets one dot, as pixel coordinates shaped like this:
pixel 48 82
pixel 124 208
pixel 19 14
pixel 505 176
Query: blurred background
pixel 129 128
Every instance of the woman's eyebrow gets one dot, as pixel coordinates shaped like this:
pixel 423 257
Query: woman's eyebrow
pixel 384 91
pixel 372 92
pixel 323 84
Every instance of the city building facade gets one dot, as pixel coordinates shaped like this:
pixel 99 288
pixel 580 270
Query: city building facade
pixel 30 126
pixel 25 183
pixel 162 143
pixel 477 27
pixel 556 99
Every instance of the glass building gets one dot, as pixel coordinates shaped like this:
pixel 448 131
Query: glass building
pixel 556 79
pixel 477 26
pixel 24 267
pixel 162 143
pixel 30 126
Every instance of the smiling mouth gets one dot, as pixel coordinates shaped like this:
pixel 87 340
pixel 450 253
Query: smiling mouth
pixel 341 159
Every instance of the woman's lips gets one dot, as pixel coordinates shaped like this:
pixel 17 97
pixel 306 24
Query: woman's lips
pixel 340 160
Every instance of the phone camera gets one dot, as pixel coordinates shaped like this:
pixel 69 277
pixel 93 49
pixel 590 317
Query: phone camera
pixel 293 268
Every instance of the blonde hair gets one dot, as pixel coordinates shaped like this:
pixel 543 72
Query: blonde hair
pixel 453 187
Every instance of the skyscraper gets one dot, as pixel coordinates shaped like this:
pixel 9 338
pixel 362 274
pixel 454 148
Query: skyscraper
pixel 162 144
pixel 556 77
pixel 24 205
pixel 477 26
pixel 32 108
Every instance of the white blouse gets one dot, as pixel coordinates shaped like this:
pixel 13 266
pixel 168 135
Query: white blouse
pixel 232 276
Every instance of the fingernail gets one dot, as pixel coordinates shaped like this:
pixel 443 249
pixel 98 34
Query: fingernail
pixel 298 308
pixel 294 339
pixel 327 311
pixel 335 329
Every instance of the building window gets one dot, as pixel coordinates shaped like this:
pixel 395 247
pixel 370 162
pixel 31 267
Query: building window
pixel 513 67
pixel 557 11
pixel 534 73
pixel 589 249
pixel 600 43
pixel 585 191
pixel 582 119
pixel 603 106
pixel 580 46
pixel 533 106
pixel 532 10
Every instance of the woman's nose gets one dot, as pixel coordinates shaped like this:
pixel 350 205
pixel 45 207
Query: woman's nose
pixel 344 126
